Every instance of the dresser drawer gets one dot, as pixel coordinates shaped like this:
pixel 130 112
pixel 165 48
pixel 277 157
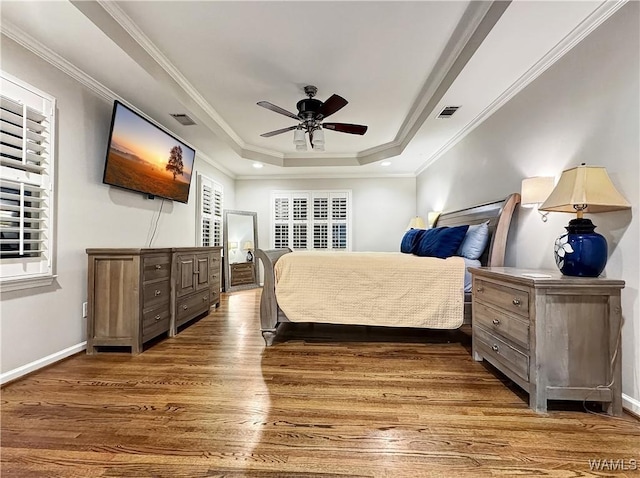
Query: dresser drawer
pixel 155 293
pixel 191 306
pixel 156 267
pixel 511 327
pixel 155 321
pixel 499 350
pixel 500 296
pixel 214 297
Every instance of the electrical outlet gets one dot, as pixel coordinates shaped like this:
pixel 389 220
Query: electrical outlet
pixel 84 309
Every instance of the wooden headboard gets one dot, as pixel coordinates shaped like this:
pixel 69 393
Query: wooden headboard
pixel 498 213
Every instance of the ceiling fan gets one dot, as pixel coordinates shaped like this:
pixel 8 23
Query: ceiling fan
pixel 311 112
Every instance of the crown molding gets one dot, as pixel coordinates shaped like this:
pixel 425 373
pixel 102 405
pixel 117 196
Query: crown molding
pixel 34 46
pixel 268 177
pixel 475 25
pixel 218 166
pixel 579 33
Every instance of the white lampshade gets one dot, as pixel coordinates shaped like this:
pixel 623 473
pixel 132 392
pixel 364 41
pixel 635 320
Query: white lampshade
pixel 301 147
pixel 318 137
pixel 248 245
pixel 535 190
pixel 585 189
pixel 416 223
pixel 299 138
pixel 432 217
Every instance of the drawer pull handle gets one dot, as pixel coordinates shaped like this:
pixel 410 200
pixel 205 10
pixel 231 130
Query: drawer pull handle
pixel 494 348
pixel 157 292
pixel 516 302
pixel 480 289
pixel 496 321
pixel 158 267
pixel 184 307
pixel 157 317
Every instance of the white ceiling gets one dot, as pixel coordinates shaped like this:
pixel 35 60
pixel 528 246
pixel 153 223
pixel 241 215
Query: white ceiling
pixel 397 63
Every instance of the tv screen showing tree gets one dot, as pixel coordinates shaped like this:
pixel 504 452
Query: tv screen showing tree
pixel 143 157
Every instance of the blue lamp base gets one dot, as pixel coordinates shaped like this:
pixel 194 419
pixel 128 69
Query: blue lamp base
pixel 581 251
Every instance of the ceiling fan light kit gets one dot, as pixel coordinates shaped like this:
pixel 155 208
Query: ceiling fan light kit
pixel 311 112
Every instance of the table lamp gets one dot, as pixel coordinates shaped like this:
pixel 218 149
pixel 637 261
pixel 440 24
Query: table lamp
pixel 416 223
pixel 582 251
pixel 248 246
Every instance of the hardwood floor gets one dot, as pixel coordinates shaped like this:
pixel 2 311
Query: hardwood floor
pixel 323 401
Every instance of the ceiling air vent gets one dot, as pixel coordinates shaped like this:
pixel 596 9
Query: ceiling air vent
pixel 447 111
pixel 183 119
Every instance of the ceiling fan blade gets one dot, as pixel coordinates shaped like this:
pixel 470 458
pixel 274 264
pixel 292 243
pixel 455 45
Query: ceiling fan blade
pixel 346 128
pixel 277 109
pixel 333 104
pixel 278 131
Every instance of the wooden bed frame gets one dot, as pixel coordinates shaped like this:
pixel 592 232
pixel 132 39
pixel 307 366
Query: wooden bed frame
pixel 498 213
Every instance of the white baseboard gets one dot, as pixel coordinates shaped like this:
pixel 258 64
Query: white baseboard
pixel 43 362
pixel 631 404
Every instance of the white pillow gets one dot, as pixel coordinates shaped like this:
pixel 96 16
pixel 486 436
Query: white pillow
pixel 474 242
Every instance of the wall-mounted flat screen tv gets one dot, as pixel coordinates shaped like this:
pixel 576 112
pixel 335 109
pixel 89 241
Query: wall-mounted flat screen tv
pixel 144 158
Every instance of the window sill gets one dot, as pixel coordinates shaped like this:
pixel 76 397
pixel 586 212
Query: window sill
pixel 10 285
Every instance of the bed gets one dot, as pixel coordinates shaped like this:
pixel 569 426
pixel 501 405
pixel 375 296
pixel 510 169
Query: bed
pixel 346 287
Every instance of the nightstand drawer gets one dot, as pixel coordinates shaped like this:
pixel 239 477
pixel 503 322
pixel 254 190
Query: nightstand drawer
pixel 499 350
pixel 511 327
pixel 503 297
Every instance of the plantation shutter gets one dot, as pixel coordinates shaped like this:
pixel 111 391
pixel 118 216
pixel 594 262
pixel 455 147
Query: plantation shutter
pixel 210 199
pixel 320 222
pixel 26 181
pixel 280 220
pixel 311 220
pixel 339 217
pixel 300 221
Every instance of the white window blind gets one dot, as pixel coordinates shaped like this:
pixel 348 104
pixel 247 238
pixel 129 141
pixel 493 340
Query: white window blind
pixel 210 197
pixel 309 220
pixel 27 120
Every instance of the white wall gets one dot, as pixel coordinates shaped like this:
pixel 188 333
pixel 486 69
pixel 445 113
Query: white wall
pixel 37 323
pixel 585 108
pixel 381 208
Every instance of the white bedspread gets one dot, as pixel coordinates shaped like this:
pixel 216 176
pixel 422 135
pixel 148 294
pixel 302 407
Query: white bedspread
pixel 371 288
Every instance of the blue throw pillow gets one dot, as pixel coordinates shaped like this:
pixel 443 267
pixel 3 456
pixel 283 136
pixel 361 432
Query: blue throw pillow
pixel 410 240
pixel 474 241
pixel 441 242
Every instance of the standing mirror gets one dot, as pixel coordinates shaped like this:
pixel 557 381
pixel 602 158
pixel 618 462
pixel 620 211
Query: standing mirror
pixel 240 240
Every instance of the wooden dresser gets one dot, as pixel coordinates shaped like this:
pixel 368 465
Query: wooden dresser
pixel 242 273
pixel 135 295
pixel 557 337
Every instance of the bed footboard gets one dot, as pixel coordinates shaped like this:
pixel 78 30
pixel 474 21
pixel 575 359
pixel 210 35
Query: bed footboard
pixel 268 304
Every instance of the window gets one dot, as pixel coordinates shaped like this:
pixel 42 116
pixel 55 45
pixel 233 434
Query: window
pixel 209 212
pixel 27 121
pixel 311 220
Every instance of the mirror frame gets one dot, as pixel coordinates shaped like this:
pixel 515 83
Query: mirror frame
pixel 225 250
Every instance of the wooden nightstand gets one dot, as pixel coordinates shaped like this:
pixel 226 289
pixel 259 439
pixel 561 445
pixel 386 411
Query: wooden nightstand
pixel 242 273
pixel 557 337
